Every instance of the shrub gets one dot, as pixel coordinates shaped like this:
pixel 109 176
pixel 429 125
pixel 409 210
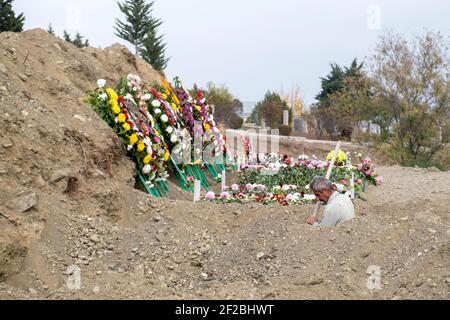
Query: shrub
pixel 285 131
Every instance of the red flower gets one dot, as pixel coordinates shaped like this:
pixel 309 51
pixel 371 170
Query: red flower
pixel 155 93
pixel 200 95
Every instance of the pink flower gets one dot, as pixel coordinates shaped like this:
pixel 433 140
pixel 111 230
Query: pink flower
pixel 235 187
pixel 310 166
pixel 320 165
pixel 210 196
pixel 379 179
pixel 190 179
pixel 368 173
pixel 359 181
pixel 367 161
pixel 360 167
pixel 344 182
pixel 225 196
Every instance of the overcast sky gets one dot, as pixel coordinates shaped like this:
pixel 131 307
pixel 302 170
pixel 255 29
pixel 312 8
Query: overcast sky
pixel 252 45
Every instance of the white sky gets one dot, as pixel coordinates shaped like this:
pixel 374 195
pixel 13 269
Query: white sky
pixel 252 45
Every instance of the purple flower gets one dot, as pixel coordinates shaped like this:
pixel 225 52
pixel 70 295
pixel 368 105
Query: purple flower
pixel 224 196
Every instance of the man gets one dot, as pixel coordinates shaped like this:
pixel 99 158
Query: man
pixel 339 207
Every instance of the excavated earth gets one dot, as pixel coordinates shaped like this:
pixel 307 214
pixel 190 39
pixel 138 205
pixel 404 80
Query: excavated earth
pixel 68 197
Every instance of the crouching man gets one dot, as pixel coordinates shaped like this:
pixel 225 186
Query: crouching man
pixel 339 207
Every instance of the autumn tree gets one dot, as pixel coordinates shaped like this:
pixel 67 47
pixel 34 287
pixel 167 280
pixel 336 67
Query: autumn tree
pixel 411 85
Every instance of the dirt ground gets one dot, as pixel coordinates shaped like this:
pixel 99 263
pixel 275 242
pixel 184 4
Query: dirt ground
pixel 67 198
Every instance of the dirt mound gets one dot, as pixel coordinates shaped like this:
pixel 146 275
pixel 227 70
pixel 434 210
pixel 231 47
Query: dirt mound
pixel 68 197
pixel 51 145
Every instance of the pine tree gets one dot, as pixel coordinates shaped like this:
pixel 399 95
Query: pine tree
pixel 8 19
pixel 153 51
pixel 77 41
pixel 50 30
pixel 138 22
pixel 67 36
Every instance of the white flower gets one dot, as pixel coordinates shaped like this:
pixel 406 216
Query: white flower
pixel 164 118
pixel 156 103
pixel 169 130
pixel 147 97
pixel 173 138
pixel 103 96
pixel 310 197
pixel 158 111
pixel 147 169
pixel 101 83
pixel 303 157
pixel 130 147
pixel 129 97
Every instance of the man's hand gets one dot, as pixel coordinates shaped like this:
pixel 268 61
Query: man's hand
pixel 311 220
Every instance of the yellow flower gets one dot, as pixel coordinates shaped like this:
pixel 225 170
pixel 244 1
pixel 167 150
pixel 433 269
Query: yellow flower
pixel 198 108
pixel 175 98
pixel 113 103
pixel 207 127
pixel 112 94
pixel 140 146
pixel 126 126
pixel 147 159
pixel 116 109
pixel 157 133
pixel 340 158
pixel 167 155
pixel 166 85
pixel 122 117
pixel 164 96
pixel 133 139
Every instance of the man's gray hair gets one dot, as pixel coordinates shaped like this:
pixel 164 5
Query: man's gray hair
pixel 320 183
